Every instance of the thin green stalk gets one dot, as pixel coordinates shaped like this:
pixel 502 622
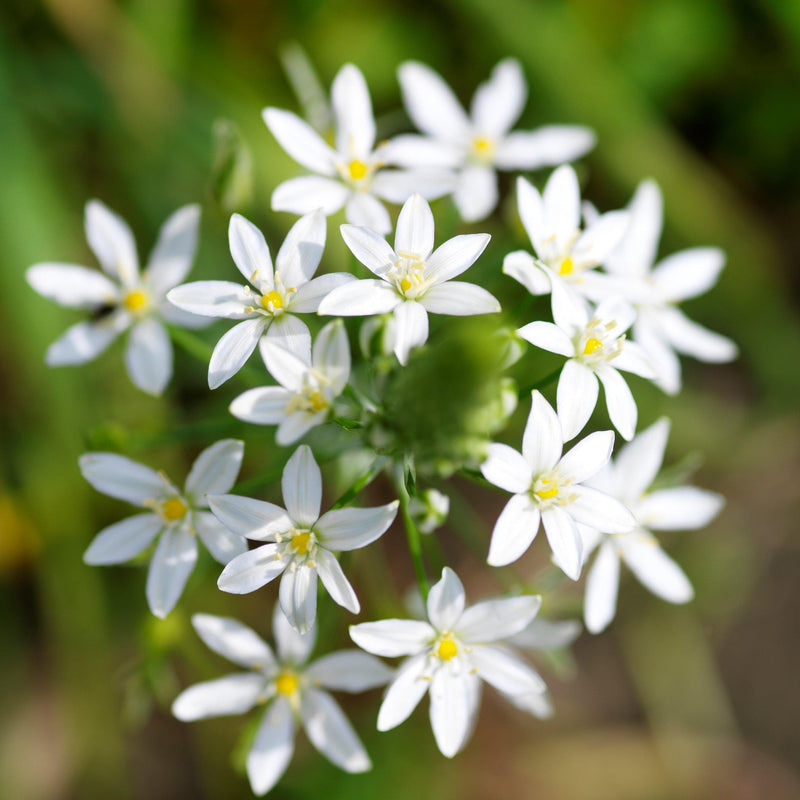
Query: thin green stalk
pixel 359 484
pixel 412 536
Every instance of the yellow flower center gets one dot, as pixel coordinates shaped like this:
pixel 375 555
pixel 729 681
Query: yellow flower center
pixel 405 284
pixel 135 300
pixel 567 267
pixel 300 542
pixel 357 169
pixel 483 147
pixel 591 345
pixel 318 401
pixel 546 494
pixel 447 649
pixel 272 297
pixel 286 683
pixel 173 509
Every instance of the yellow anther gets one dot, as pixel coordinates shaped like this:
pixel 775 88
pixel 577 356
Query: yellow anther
pixel 135 300
pixel 591 345
pixel 318 401
pixel 405 284
pixel 447 649
pixel 173 509
pixel 566 267
pixel 357 169
pixel 300 543
pixel 286 683
pixel 272 297
pixel 482 146
pixel 546 494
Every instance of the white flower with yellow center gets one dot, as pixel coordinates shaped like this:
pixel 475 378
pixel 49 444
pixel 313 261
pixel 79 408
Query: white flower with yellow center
pixel 353 174
pixel 481 143
pixel 628 478
pixel 565 254
pixel 176 517
pixel 449 656
pixel 549 488
pixel 596 347
pixel 301 543
pixel 412 279
pixel 308 387
pixel 125 297
pixel 292 690
pixel 274 296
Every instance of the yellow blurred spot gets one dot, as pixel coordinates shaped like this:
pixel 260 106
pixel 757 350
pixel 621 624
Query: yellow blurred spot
pixel 591 345
pixel 566 267
pixel 173 509
pixel 135 300
pixel 19 541
pixel 286 683
pixel 272 297
pixel 447 649
pixel 300 543
pixel 357 169
pixel 318 402
pixel 482 146
pixel 546 494
pixel 405 284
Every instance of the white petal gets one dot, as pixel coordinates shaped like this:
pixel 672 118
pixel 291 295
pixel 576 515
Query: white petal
pixel 637 251
pixel 233 349
pixel 234 641
pixel 688 273
pixel 497 104
pixel 662 356
pixel 372 250
pixel 458 298
pixel 404 693
pixel 638 463
pixel 476 192
pixel 633 358
pixel 367 211
pixel 446 601
pixel 331 733
pixel 301 485
pixel 537 703
pixel 619 401
pixel 414 231
pixel 547 336
pixel 453 709
pixel 506 468
pixel 85 340
pixel 293 647
pixel 263 406
pixel 251 570
pixel 298 597
pixel 213 299
pixel 602 583
pixel 300 141
pixel 601 237
pixel 292 334
pixel 616 313
pixel 562 201
pixel 564 540
pixel 694 340
pixel 545 634
pixel 233 694
pixel 273 747
pixel 148 356
pixel 588 456
pixel 532 214
pixel 656 570
pixel 455 256
pixel 542 441
pixel 505 670
pixel 123 540
pixel 393 637
pixel 600 511
pixel 410 328
pixel 515 529
pixel 288 368
pixel 397 185
pixel 413 150
pixel 215 470
pixel 302 249
pixel 331 354
pixel 308 193
pixel 172 563
pixel 112 242
pixel 349 671
pixel 295 426
pixel 310 295
pixel 680 508
pixel 352 528
pixel 250 251
pixel 183 319
pixel 252 519
pixel 522 267
pixel 493 620
pixel 219 541
pixel 360 298
pixel 72 286
pixel 122 478
pixel 352 110
pixel 570 310
pixel 431 103
pixel 547 146
pixel 172 256
pixel 335 581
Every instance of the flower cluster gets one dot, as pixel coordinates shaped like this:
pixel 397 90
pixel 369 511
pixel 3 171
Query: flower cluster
pixel 613 312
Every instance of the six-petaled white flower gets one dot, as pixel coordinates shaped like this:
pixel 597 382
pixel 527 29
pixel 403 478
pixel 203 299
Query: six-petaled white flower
pixel 629 478
pixel 413 278
pixel 292 690
pixel 124 297
pixel 550 488
pixel 178 516
pixel 353 174
pixel 308 387
pixel 449 656
pixel 268 308
pixel 478 144
pixel 301 543
pixel 595 345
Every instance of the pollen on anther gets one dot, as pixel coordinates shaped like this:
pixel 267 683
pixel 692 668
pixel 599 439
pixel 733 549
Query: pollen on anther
pixel 591 345
pixel 357 169
pixel 447 649
pixel 286 683
pixel 272 297
pixel 300 543
pixel 173 509
pixel 135 300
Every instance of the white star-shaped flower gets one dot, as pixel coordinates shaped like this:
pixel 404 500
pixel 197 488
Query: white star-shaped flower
pixel 124 298
pixel 412 279
pixel 661 328
pixel 564 253
pixel 482 142
pixel 449 656
pixel 301 543
pixel 353 173
pixel 595 345
pixel 177 517
pixel 308 387
pixel 549 488
pixel 269 304
pixel 292 690
pixel 628 478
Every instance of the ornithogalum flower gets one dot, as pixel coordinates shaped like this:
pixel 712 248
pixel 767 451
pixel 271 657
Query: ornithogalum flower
pixel 178 518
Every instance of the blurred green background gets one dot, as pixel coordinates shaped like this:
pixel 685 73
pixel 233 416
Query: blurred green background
pixel 123 101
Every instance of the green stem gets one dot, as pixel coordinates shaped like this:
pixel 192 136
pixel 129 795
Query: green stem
pixel 541 383
pixel 413 536
pixel 359 484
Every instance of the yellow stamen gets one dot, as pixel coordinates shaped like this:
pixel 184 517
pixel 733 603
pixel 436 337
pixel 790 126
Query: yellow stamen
pixel 173 509
pixel 546 494
pixel 272 297
pixel 286 683
pixel 300 543
pixel 357 169
pixel 482 146
pixel 591 345
pixel 566 267
pixel 318 402
pixel 135 300
pixel 405 284
pixel 447 649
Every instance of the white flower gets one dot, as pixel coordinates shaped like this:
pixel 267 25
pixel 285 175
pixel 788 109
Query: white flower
pixel 595 347
pixel 291 689
pixel 279 294
pixel 413 278
pixel 480 143
pixel 353 173
pixel 179 517
pixel 564 253
pixel 308 387
pixel 301 542
pixel 127 298
pixel 429 509
pixel 450 656
pixel 660 327
pixel 628 478
pixel 549 488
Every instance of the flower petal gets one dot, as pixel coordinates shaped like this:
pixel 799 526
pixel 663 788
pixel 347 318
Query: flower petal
pixel 431 104
pixel 619 401
pixel 515 529
pixel 251 570
pixel 234 641
pixel 602 583
pixel 174 251
pixel 331 354
pixel 545 634
pixel 219 541
pixel 600 511
pixel 123 540
pixel 548 336
pixel 331 733
pixel 541 441
pixel 694 340
pixel 352 528
pixel 404 693
pixel 414 231
pixel 292 334
pixel 505 670
pixel 564 539
pixel 72 286
pixel 397 185
pixel 300 141
pixel 352 110
pixel 293 647
pixel 122 478
pixel 476 192
pixel 335 581
pixel 252 519
pixel 85 340
pixel 272 748
pixel 498 102
pixel 562 205
pixel 662 356
pixel 588 456
pixel 460 299
pixel 656 570
pixel 688 273
pixel 367 211
pixel 638 463
pixel 493 620
pixel 263 406
pixel 301 485
pixel 297 425
pixel 413 150
pixel 215 470
pixel 148 356
pixel 678 509
pixel 302 249
pixel 308 193
pixel 172 563
pixel 310 295
pixel 393 637
pixel 446 601
pixel 453 708
pixel 360 298
pixel 233 349
pixel 232 694
pixel 213 299
pixel 410 328
pixel 637 251
pixel 250 251
pixel 112 242
pixel 349 671
pixel 372 250
pixel 547 146
pixel 600 239
pixel 298 597
pixel 532 215
pixel 522 267
pixel 455 256
pixel 506 468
